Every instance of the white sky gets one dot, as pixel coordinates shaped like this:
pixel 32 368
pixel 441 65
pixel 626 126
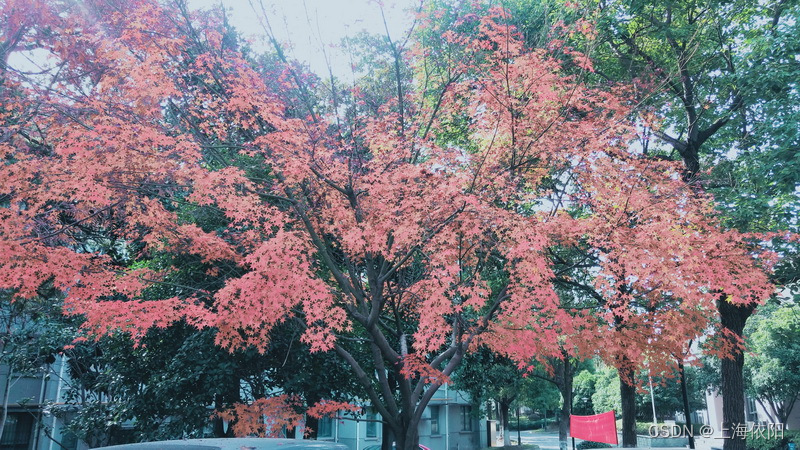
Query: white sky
pixel 308 26
pixel 305 27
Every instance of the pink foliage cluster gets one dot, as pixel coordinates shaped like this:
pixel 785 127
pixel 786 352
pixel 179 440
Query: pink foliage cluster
pixel 340 232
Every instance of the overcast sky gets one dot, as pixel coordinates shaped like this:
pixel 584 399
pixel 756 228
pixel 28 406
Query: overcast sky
pixel 311 25
pixel 305 27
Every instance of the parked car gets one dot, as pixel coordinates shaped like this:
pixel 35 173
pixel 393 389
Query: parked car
pixel 231 444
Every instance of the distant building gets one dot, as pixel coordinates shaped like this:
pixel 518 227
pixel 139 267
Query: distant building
pixel 753 411
pixel 29 425
pixel 449 423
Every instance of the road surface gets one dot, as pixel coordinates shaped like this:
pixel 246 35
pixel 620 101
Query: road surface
pixel 545 440
pixel 549 441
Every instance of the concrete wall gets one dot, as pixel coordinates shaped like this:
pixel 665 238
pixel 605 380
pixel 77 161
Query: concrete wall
pixel 714 408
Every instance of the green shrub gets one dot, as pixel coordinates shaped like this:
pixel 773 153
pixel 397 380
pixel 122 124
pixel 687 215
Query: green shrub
pixel 526 423
pixel 774 443
pixel 590 444
pixel 643 428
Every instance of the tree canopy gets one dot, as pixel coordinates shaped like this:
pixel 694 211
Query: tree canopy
pixel 399 229
pixel 771 366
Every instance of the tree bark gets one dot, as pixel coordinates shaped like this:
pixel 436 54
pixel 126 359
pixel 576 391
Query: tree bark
pixel 505 406
pixel 312 427
pixel 387 437
pixel 409 440
pixel 686 411
pixel 733 318
pixel 627 393
pixel 565 386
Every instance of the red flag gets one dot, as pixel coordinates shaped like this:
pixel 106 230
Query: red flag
pixel 597 428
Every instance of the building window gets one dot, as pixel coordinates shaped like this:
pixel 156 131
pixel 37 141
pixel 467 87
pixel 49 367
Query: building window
pixel 434 419
pixel 325 427
pixel 17 431
pixel 466 418
pixel 372 424
pixel 750 410
pixel 69 440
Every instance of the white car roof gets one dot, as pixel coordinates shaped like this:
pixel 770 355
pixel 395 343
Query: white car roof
pixel 231 444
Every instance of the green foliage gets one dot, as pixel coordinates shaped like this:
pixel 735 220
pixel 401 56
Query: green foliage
pixel 487 375
pixel 764 195
pixel 772 367
pixel 668 396
pixel 585 445
pixel 528 423
pixel 708 373
pixel 32 333
pixel 540 395
pixel 163 387
pixel 583 388
pixel 601 390
pixel 774 443
pixel 167 387
pixel 721 76
pixel 606 396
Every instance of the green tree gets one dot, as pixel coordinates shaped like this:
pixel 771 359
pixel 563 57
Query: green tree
pixel 772 367
pixel 667 395
pixel 602 392
pixel 606 396
pixel 486 375
pixel 32 332
pixel 353 228
pixel 717 85
pixel 584 388
pixel 170 383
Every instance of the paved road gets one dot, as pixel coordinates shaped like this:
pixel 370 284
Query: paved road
pixel 545 441
pixel 549 441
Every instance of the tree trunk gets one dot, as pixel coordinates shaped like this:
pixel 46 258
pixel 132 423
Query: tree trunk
pixel 785 408
pixel 565 386
pixel 563 429
pixel 686 411
pixel 387 436
pixel 733 318
pixel 312 427
pixel 505 406
pixel 627 393
pixel 409 439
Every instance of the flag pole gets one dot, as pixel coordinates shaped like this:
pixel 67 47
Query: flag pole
pixel 570 432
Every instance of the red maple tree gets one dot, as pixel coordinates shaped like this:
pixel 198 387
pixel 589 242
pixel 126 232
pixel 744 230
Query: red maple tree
pixel 388 240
